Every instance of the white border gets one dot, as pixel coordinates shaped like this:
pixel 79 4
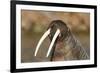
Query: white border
pixel 51 64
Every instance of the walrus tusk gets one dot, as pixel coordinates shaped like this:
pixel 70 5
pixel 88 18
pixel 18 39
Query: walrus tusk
pixel 41 40
pixel 52 43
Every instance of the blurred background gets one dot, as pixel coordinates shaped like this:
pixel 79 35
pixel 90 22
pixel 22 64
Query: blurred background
pixel 35 23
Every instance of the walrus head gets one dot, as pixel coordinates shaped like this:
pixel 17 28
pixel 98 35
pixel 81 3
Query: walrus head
pixel 57 31
pixel 64 30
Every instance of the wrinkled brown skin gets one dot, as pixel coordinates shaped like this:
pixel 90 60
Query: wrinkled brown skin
pixel 66 46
